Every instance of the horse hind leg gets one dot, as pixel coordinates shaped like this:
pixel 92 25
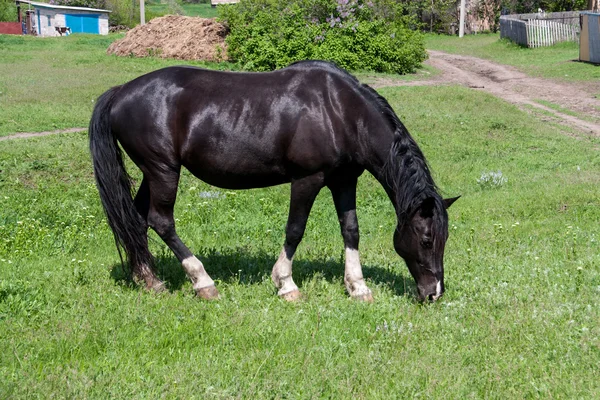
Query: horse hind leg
pixel 143 271
pixel 303 194
pixel 163 191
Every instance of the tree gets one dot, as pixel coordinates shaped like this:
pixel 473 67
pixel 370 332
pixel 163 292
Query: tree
pixel 8 11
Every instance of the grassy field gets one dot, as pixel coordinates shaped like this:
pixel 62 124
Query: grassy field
pixel 559 61
pixel 520 318
pixel 52 83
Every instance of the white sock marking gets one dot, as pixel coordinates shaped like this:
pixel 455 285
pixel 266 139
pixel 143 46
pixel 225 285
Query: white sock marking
pixel 282 274
pixel 353 277
pixel 195 270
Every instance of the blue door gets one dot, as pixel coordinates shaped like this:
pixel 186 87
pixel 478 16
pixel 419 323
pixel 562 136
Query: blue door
pixel 83 23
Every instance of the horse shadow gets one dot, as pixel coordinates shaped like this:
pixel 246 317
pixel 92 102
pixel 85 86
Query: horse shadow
pixel 241 266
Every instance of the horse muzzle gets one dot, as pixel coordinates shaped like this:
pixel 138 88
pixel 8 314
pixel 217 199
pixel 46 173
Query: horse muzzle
pixel 431 292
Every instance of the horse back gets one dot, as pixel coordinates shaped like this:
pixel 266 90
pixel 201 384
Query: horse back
pixel 242 129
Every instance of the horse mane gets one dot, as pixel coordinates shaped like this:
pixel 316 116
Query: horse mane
pixel 406 170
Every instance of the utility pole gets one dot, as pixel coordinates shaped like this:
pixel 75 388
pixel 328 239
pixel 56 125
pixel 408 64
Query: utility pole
pixel 461 25
pixel 431 18
pixel 142 13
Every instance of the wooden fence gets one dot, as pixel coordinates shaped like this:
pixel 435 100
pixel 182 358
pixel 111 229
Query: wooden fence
pixel 546 33
pixel 543 29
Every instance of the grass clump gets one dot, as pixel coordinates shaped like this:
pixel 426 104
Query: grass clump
pixel 489 180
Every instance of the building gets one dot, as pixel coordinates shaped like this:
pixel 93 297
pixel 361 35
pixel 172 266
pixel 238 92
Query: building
pixel 589 41
pixel 43 19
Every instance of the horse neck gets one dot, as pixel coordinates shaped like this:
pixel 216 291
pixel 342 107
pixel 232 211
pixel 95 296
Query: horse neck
pixel 400 167
pixel 380 144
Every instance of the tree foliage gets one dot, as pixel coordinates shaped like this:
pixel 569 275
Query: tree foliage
pixel 372 35
pixel 8 11
pixel 439 15
pixel 527 6
pixel 123 12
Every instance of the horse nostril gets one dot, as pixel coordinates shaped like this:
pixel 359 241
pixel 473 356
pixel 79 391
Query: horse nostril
pixel 433 296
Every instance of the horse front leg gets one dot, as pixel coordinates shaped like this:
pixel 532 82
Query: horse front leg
pixel 344 197
pixel 303 194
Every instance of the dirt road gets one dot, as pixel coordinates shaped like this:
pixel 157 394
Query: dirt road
pixel 578 106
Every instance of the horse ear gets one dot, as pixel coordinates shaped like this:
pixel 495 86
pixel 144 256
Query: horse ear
pixel 448 202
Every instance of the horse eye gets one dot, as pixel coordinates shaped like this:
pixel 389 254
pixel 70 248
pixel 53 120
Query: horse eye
pixel 428 244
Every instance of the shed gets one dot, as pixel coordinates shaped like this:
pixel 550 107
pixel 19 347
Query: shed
pixel 589 41
pixel 45 19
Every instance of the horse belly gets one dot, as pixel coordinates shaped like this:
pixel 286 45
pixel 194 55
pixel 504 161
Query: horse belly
pixel 236 169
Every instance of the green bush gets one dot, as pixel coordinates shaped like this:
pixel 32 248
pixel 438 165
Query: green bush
pixel 8 11
pixel 355 34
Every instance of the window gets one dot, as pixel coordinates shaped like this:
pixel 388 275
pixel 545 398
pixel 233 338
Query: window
pixel 49 20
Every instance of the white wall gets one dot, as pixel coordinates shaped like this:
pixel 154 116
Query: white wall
pixel 57 18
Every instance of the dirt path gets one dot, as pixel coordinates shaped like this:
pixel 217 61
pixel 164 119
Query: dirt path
pixel 578 106
pixel 35 134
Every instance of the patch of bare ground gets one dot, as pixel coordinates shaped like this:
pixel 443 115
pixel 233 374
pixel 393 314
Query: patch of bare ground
pixel 516 87
pixel 25 135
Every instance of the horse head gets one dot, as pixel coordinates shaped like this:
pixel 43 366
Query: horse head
pixel 420 241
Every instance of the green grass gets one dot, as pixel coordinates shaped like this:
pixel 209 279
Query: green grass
pixel 191 10
pixel 563 110
pixel 375 78
pixel 52 83
pixel 520 318
pixel 558 61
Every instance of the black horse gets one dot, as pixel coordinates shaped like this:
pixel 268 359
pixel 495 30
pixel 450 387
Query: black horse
pixel 311 124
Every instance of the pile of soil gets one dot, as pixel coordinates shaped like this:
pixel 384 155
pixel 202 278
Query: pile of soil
pixel 175 36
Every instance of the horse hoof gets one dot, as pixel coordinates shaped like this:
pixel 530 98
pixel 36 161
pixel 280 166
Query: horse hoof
pixel 367 298
pixel 292 296
pixel 157 287
pixel 208 293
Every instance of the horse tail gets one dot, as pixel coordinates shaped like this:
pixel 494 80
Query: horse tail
pixel 114 185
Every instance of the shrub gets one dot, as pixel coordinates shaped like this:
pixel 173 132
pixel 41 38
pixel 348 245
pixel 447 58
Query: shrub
pixel 8 11
pixel 371 35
